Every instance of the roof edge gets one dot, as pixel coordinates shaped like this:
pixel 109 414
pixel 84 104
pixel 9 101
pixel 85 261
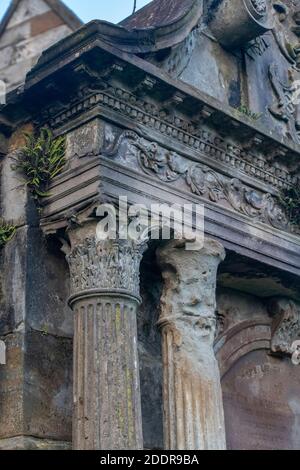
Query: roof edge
pixel 135 41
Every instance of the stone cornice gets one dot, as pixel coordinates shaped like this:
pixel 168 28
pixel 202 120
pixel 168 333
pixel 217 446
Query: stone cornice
pixel 181 132
pixel 57 59
pixel 149 81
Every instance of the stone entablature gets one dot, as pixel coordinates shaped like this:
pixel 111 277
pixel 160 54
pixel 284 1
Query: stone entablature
pixel 246 166
pixel 170 167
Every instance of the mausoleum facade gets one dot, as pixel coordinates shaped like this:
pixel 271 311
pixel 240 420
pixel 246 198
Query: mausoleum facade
pixel 141 343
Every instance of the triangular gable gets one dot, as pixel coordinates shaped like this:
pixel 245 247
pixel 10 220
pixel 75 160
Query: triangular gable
pixel 57 6
pixel 28 28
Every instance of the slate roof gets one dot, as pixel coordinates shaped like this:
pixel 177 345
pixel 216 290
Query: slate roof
pixel 158 13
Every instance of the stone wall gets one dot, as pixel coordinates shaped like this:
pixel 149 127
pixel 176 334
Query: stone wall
pixel 36 325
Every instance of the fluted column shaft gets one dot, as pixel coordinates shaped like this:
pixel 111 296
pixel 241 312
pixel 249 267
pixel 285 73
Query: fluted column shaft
pixel 105 298
pixel 193 405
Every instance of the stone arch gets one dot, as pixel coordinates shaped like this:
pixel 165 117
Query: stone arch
pixel 261 402
pixel 240 340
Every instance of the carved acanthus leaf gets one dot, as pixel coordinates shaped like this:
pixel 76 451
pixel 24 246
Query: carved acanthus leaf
pixel 105 265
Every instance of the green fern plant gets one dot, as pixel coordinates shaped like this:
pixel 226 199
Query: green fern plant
pixel 7 232
pixel 290 200
pixel 40 160
pixel 243 109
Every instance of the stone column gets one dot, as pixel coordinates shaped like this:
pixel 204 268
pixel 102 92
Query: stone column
pixel 105 297
pixel 193 406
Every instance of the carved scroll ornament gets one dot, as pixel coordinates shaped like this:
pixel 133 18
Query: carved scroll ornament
pixel 169 167
pixel 237 22
pixel 286 325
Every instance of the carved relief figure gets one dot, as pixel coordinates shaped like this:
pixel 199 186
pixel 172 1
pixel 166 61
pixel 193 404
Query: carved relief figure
pixel 286 108
pixel 290 52
pixel 260 6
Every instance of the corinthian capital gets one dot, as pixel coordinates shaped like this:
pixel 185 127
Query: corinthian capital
pixel 103 266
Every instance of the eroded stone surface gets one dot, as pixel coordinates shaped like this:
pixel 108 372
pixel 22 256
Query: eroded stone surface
pixel 193 411
pixel 31 443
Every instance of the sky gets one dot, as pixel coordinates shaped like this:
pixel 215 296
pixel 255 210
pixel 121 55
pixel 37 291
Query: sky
pixel 108 10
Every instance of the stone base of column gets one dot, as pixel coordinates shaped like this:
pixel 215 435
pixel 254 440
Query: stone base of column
pixel 33 443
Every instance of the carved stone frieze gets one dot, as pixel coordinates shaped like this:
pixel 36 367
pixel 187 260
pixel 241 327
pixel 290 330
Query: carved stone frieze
pixel 286 325
pixel 186 132
pixel 200 179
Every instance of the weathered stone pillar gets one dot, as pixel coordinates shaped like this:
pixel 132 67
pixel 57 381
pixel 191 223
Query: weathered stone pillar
pixel 193 407
pixel 105 297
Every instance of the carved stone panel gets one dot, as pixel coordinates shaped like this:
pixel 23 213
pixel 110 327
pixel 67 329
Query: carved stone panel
pixel 274 66
pixel 260 382
pixel 84 141
pixel 169 167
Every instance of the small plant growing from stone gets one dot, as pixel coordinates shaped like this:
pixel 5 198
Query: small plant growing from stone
pixel 290 200
pixel 40 160
pixel 7 232
pixel 250 114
